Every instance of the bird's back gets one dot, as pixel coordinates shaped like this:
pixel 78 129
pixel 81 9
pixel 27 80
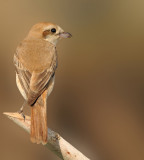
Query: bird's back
pixel 36 54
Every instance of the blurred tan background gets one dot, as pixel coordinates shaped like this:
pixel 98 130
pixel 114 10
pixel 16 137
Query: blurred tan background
pixel 97 103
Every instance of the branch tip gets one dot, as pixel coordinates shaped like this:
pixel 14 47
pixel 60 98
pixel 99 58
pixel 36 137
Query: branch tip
pixel 56 143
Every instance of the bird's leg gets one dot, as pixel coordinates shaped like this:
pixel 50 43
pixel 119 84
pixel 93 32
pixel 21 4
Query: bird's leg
pixel 21 110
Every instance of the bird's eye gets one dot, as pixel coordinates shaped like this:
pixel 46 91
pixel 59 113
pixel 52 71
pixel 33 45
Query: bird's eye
pixel 53 30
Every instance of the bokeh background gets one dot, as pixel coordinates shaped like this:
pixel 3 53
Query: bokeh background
pixel 97 103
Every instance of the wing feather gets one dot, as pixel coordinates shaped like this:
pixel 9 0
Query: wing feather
pixel 35 83
pixel 23 75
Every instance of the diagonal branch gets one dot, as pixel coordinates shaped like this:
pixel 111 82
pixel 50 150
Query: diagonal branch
pixel 56 143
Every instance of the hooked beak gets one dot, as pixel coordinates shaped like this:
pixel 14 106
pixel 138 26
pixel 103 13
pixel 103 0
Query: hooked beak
pixel 65 35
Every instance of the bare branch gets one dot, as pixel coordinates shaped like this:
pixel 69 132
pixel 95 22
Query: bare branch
pixel 56 143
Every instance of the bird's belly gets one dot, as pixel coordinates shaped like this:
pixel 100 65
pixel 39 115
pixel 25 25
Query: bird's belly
pixel 50 86
pixel 20 88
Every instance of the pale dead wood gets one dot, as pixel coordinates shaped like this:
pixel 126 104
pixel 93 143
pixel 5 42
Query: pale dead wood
pixel 56 143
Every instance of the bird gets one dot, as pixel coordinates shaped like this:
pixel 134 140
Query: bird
pixel 35 62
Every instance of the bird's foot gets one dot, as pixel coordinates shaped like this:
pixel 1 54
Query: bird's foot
pixel 21 113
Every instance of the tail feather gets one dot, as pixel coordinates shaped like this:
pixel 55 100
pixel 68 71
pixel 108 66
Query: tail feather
pixel 38 124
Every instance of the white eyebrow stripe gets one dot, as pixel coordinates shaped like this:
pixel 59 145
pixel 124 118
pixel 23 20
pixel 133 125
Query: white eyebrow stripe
pixel 49 27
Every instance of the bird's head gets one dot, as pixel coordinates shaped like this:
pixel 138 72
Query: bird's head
pixel 48 32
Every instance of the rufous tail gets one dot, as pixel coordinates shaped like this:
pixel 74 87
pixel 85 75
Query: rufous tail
pixel 39 129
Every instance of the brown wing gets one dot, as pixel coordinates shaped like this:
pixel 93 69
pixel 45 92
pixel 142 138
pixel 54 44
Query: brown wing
pixel 35 83
pixel 40 81
pixel 23 76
